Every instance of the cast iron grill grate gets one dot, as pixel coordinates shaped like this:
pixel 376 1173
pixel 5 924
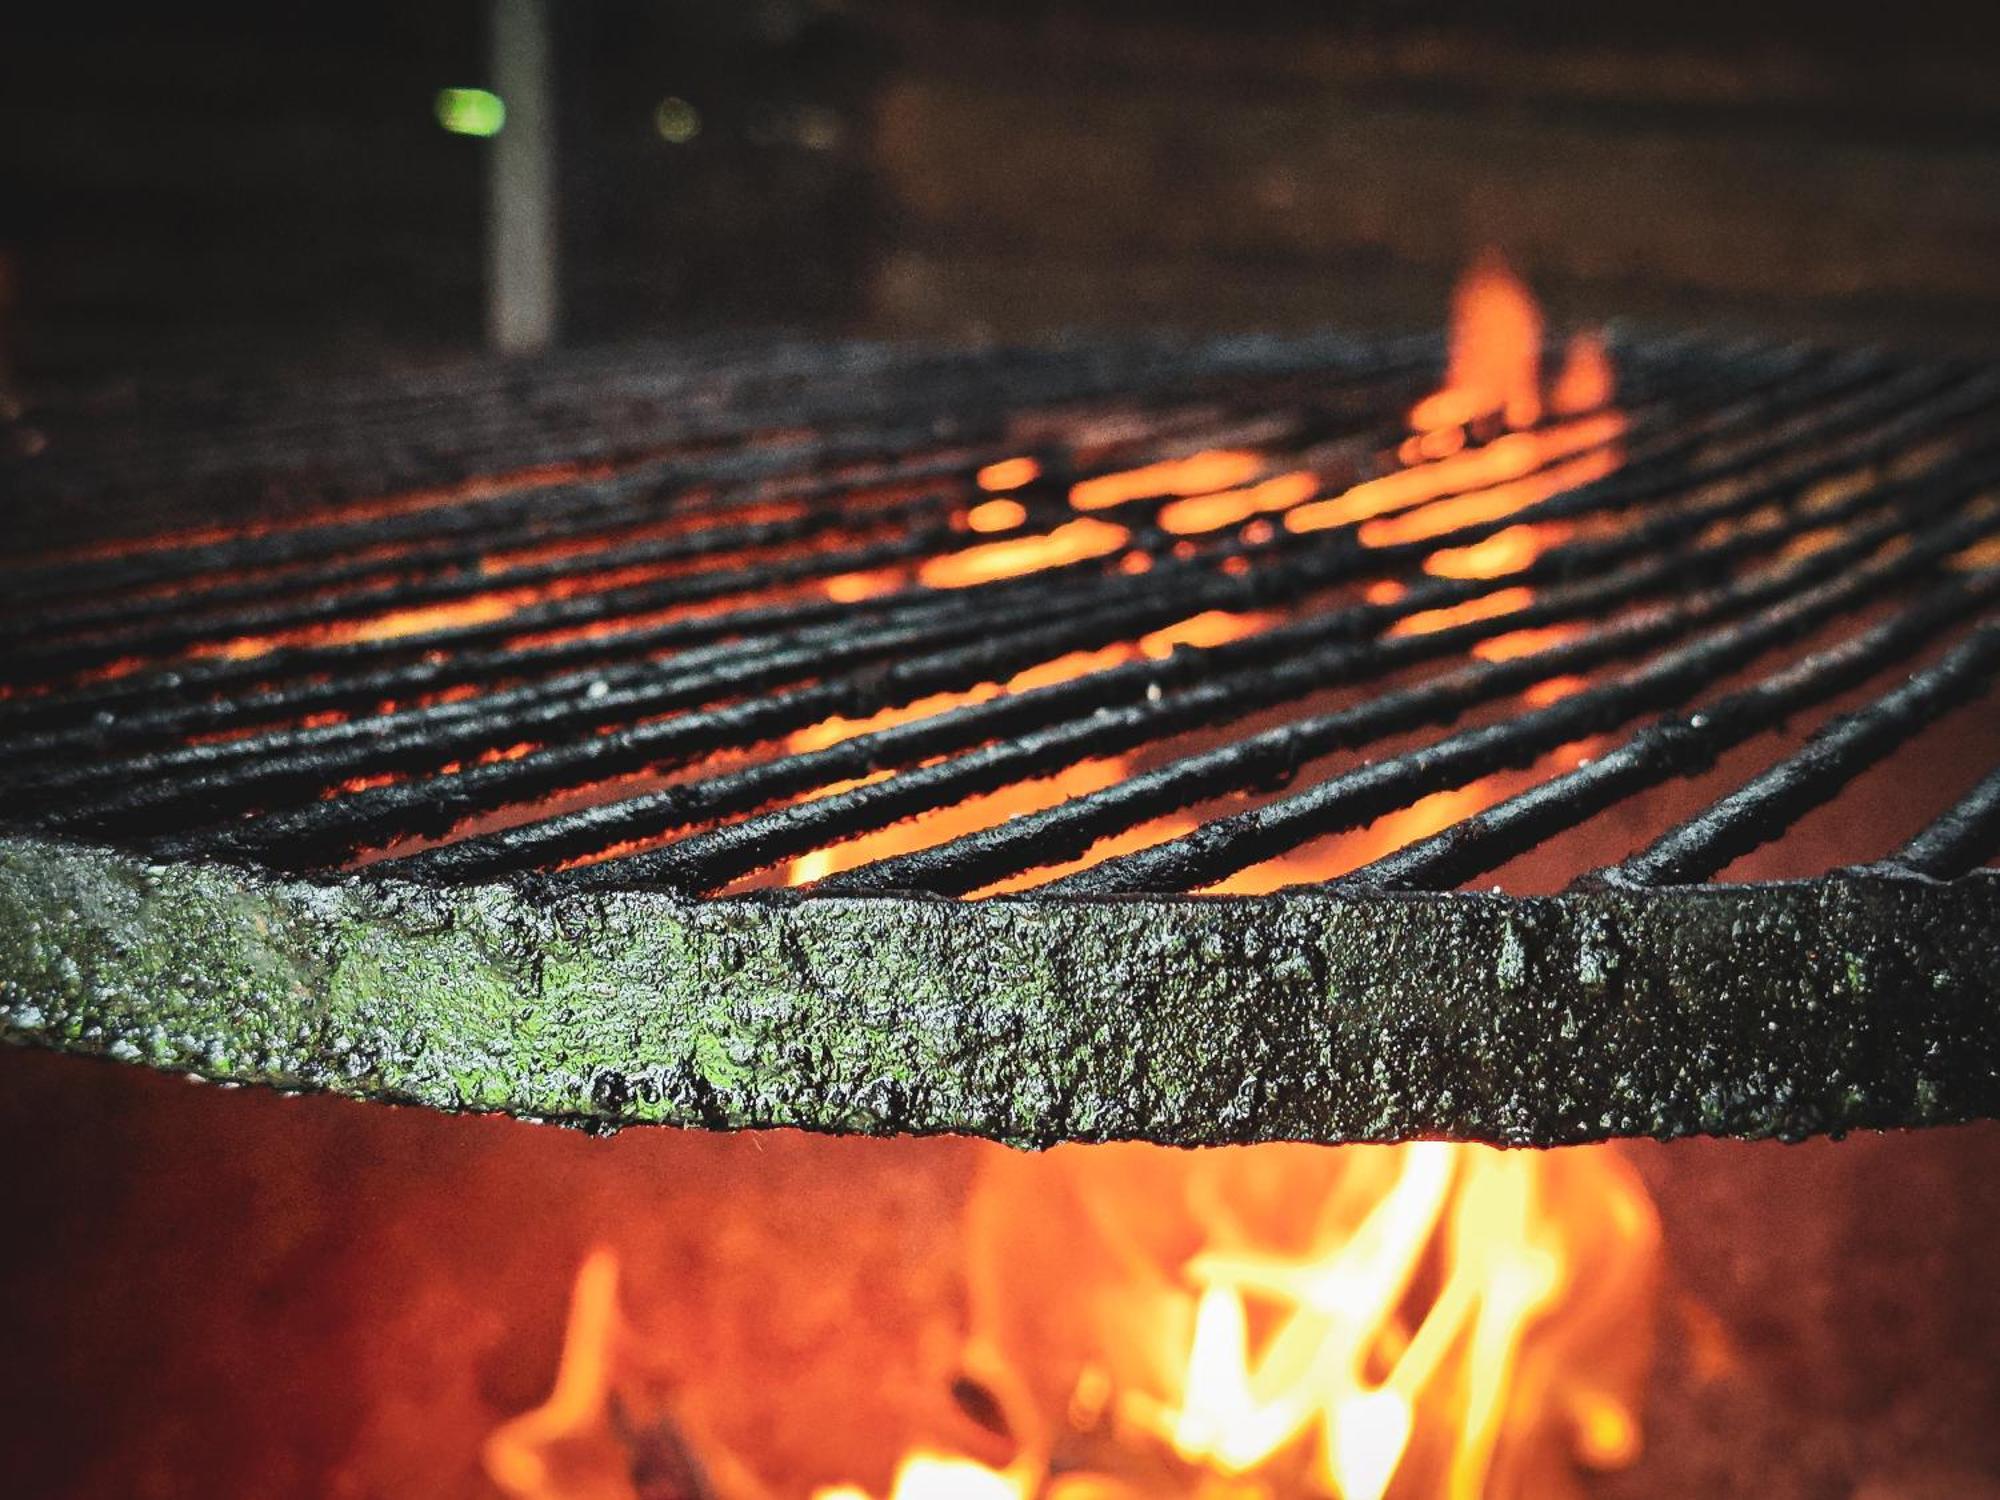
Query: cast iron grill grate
pixel 619 739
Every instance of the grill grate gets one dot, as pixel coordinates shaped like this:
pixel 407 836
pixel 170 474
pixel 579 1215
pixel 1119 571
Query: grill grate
pixel 485 672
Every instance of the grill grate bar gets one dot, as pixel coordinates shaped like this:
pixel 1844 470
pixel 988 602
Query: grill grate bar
pixel 572 414
pixel 1062 723
pixel 92 636
pixel 1836 754
pixel 335 829
pixel 1840 378
pixel 554 704
pixel 1068 830
pixel 631 706
pixel 397 549
pixel 314 680
pixel 1866 405
pixel 96 705
pixel 205 782
pixel 208 780
pixel 826 467
pixel 1221 848
pixel 1683 745
pixel 151 635
pixel 463 532
pixel 1965 836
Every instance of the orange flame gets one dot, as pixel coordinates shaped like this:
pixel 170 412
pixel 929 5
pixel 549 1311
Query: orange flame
pixel 1587 380
pixel 551 1450
pixel 1444 1321
pixel 1007 474
pixel 1496 352
pixel 1440 1319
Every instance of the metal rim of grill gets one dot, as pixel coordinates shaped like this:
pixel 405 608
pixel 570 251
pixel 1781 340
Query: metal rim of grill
pixel 458 766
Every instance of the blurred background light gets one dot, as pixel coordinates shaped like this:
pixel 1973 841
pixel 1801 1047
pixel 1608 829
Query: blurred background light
pixel 677 121
pixel 471 111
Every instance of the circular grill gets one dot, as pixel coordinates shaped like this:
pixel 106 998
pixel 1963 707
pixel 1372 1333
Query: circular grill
pixel 1067 744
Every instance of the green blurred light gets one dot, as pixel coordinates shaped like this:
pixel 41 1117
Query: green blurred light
pixel 677 121
pixel 471 111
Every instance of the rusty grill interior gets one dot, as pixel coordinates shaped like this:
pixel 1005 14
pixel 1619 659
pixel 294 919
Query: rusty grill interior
pixel 767 612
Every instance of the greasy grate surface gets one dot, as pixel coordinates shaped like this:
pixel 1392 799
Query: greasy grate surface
pixel 1063 630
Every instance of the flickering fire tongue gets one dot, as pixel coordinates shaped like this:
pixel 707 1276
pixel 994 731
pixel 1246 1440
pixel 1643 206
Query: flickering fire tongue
pixel 1368 1322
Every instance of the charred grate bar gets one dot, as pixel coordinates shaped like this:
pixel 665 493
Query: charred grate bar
pixel 1077 743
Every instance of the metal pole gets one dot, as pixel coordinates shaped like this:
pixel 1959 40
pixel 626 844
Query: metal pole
pixel 520 212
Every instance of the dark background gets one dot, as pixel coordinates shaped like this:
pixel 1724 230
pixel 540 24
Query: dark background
pixel 197 187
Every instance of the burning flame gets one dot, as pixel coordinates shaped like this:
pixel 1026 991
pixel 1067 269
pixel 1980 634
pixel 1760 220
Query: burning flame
pixel 1366 1323
pixel 1496 353
pixel 550 1450
pixel 1262 1323
pixel 1442 1322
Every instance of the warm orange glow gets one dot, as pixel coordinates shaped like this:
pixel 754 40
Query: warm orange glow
pixel 1326 858
pixel 1008 474
pixel 1587 380
pixel 1496 352
pixel 972 813
pixel 1270 1322
pixel 830 732
pixel 1412 1321
pixel 1450 486
pixel 996 515
pixel 480 487
pixel 1210 628
pixel 1202 513
pixel 851 588
pixel 1073 541
pixel 1503 552
pixel 963 817
pixel 1509 457
pixel 1215 469
pixel 478 610
pixel 1488 505
pixel 1979 555
pixel 934 1476
pixel 559 1448
pixel 1481 607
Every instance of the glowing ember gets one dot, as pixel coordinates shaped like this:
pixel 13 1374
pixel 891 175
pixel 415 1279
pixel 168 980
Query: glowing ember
pixel 996 515
pixel 1203 473
pixel 1008 474
pixel 1073 541
pixel 1202 513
